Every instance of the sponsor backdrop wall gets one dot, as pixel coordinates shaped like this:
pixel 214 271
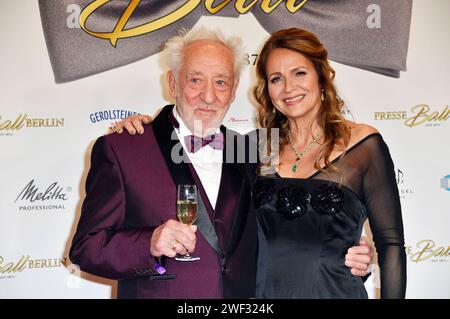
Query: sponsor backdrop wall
pixel 62 86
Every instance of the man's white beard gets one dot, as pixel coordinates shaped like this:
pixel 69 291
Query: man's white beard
pixel 199 129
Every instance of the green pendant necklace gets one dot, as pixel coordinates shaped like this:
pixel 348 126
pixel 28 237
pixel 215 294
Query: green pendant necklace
pixel 301 154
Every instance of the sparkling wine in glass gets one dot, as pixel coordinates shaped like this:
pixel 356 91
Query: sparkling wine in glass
pixel 187 212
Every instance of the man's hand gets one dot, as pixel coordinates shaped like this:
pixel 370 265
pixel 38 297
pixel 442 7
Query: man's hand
pixel 132 124
pixel 359 258
pixel 171 238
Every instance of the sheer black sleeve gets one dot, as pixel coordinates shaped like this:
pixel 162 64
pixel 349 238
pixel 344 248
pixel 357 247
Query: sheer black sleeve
pixel 384 212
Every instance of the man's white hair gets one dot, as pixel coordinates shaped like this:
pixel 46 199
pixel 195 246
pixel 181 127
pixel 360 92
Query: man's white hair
pixel 174 48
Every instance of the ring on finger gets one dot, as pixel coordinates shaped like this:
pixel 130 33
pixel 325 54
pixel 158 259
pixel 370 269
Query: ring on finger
pixel 175 245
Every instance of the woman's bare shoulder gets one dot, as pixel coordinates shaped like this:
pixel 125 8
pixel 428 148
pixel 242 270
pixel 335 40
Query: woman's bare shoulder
pixel 359 131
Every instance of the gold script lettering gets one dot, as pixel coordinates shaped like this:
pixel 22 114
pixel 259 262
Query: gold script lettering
pixel 423 116
pixel 120 32
pixel 241 8
pixel 290 5
pixel 17 125
pixel 422 113
pixel 5 125
pixel 265 6
pixel 209 3
pixel 445 114
pixel 427 251
pixel 11 268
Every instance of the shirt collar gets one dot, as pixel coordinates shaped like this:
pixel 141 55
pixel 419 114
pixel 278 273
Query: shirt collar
pixel 206 155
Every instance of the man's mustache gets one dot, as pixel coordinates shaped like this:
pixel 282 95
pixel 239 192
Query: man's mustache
pixel 208 108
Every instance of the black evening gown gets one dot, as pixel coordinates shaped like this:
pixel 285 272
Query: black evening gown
pixel 306 226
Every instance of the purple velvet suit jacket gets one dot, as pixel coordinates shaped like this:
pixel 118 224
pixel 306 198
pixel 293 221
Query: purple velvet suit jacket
pixel 131 190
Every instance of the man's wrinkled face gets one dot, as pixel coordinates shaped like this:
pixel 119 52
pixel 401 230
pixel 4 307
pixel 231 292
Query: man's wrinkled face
pixel 205 86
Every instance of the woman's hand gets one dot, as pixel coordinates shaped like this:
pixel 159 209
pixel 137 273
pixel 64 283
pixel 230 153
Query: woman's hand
pixel 360 258
pixel 132 124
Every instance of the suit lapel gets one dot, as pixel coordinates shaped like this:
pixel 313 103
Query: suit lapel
pixel 168 143
pixel 233 201
pixel 240 217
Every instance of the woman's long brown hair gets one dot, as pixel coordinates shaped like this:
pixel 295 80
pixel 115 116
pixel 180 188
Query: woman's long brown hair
pixel 336 131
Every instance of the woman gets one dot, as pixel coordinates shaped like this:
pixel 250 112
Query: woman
pixel 331 175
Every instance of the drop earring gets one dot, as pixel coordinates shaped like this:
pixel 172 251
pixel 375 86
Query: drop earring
pixel 322 96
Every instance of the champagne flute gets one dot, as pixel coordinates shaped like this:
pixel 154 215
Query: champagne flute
pixel 187 212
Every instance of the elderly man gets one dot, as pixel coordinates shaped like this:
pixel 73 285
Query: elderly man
pixel 128 229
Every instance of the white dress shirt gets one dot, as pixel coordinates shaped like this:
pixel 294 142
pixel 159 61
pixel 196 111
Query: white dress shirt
pixel 207 162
